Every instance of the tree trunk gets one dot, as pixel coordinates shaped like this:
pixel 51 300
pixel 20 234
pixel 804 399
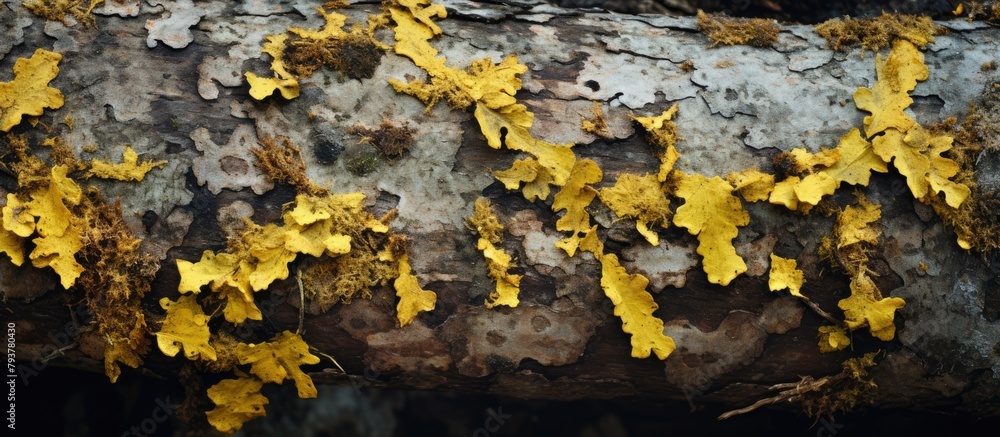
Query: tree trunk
pixel 167 79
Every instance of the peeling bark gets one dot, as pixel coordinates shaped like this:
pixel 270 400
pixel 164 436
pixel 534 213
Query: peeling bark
pixel 187 103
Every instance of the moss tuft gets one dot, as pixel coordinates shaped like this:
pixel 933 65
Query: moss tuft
pixel 355 55
pixel 281 161
pixel 878 32
pixel 390 140
pixel 757 32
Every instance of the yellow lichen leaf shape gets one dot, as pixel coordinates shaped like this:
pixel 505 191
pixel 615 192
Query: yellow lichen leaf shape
pixel 285 82
pixel 662 131
pixel 498 263
pixel 833 338
pixel 237 401
pixel 13 245
pixel 333 26
pixel 59 235
pixel 914 151
pixel 641 198
pixel 857 160
pixel 574 197
pixel 310 209
pixel 314 225
pixel 268 247
pixel 854 224
pixel 711 212
pixel 635 306
pixel 484 82
pixel 239 305
pixel 802 193
pixel 866 306
pixel 17 218
pixel 129 170
pixel 412 298
pixel 212 270
pixel 186 326
pixel 119 352
pixel 806 160
pixel 754 185
pixel 29 93
pixel 897 75
pixel 59 252
pixel 537 179
pixel 512 122
pixel 785 274
pixel 280 359
pixel 917 155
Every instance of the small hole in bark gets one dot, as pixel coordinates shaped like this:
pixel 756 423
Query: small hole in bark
pixel 593 85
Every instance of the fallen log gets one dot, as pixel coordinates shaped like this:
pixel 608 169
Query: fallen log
pixel 167 79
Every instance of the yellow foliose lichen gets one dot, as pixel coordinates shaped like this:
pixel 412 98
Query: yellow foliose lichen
pixel 785 274
pixel 641 198
pixel 237 401
pixel 130 169
pixel 29 93
pixel 186 326
pixel 280 359
pixel 284 82
pixel 711 212
pixel 498 262
pixel 412 298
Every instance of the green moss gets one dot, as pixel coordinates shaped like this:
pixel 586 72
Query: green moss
pixel 365 164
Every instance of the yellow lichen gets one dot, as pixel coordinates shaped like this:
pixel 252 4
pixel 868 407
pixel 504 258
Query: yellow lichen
pixel 662 131
pixel 641 198
pixel 633 304
pixel 574 197
pixel 186 326
pixel 128 170
pixel 412 299
pixel 498 262
pixel 785 275
pixel 279 359
pixel 29 93
pixel 237 401
pixel 284 81
pixel 711 212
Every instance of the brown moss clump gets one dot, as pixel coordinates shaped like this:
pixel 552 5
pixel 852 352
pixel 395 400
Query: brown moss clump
pixel 57 10
pixel 355 55
pixel 876 33
pixel 281 161
pixel 784 165
pixel 62 154
pixel 757 32
pixel 843 391
pixel 390 140
pixel 116 277
pixel 988 12
pixel 370 263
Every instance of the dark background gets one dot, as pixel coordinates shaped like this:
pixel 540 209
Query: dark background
pixel 74 403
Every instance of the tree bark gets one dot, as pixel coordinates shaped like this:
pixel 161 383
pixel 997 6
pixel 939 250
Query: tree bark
pixel 167 79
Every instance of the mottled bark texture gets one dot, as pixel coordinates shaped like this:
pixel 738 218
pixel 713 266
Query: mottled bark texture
pixel 167 79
